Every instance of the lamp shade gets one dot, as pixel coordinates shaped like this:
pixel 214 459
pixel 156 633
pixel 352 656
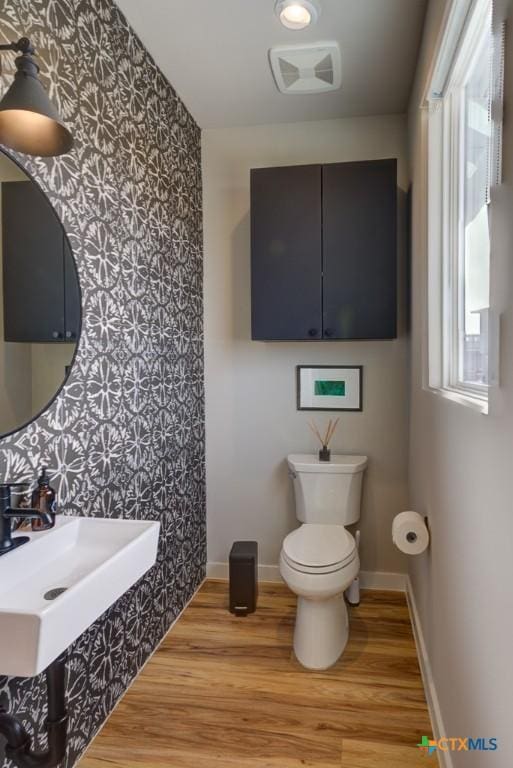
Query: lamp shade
pixel 29 122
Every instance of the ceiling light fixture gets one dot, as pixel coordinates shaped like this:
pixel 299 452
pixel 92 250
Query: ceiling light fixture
pixel 29 122
pixel 297 14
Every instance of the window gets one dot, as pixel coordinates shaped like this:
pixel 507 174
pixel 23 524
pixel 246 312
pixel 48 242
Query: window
pixel 464 162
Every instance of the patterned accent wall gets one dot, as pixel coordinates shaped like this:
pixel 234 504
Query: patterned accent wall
pixel 125 437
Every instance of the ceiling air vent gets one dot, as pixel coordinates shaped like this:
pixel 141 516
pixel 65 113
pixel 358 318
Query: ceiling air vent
pixel 314 68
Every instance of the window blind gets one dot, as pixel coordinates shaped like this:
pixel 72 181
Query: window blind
pixel 496 105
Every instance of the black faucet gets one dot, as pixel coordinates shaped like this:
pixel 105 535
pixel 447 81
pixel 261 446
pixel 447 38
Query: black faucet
pixel 7 514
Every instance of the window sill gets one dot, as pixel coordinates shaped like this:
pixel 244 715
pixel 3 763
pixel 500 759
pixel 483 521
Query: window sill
pixel 475 403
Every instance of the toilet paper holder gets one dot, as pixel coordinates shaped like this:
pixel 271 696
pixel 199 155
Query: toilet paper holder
pixel 411 532
pixel 412 537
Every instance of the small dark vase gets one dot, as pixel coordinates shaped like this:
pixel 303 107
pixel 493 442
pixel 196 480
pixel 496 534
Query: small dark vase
pixel 325 454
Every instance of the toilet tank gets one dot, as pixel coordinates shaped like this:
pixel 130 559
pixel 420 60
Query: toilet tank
pixel 327 492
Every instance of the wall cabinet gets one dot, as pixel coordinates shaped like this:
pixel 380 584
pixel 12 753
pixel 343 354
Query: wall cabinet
pixel 40 288
pixel 324 251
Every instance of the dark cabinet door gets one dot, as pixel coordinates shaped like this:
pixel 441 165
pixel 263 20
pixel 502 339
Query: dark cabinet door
pixel 360 250
pixel 286 236
pixel 71 295
pixel 33 276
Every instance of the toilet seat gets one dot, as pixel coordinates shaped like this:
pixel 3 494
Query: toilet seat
pixel 317 549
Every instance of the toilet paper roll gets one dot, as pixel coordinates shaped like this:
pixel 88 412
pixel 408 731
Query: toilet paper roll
pixel 409 533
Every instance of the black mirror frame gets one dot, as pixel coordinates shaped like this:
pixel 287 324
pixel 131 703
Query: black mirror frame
pixel 69 371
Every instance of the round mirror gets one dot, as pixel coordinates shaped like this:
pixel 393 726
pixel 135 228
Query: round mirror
pixel 40 310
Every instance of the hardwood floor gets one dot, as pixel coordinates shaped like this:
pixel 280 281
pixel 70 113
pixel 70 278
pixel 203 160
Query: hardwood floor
pixel 226 692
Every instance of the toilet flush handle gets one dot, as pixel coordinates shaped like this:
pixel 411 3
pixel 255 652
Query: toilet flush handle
pixel 292 474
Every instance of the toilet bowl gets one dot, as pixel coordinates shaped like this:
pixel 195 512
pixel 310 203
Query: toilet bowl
pixel 319 560
pixel 318 563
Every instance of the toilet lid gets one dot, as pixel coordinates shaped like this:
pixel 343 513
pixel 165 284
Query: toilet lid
pixel 319 546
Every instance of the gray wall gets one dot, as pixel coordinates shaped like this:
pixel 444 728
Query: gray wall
pixel 460 472
pixel 252 421
pixel 125 438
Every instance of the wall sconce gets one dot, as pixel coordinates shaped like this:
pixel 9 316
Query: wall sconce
pixel 29 122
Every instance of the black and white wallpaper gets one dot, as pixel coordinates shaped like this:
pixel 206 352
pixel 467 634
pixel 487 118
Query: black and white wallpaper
pixel 125 437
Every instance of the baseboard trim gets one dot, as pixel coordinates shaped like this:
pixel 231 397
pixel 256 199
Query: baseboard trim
pixel 435 712
pixel 391 582
pixel 265 572
pixel 395 582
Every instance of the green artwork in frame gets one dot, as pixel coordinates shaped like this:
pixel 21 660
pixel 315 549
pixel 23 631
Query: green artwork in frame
pixel 330 388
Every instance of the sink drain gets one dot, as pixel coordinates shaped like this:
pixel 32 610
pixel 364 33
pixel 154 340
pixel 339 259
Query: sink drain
pixel 53 593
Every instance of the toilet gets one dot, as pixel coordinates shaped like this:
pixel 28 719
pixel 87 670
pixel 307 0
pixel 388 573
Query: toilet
pixel 319 560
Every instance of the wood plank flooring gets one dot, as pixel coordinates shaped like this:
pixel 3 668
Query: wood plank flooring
pixel 226 692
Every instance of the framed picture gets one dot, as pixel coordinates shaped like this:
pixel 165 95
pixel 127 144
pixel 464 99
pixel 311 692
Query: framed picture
pixel 329 387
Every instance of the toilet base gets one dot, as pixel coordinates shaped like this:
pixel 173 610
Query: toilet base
pixel 321 631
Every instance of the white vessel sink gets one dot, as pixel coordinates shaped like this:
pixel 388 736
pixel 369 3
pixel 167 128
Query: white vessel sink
pixel 94 560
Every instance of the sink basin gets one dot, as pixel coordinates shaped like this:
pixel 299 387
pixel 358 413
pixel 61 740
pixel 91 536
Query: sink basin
pixel 55 586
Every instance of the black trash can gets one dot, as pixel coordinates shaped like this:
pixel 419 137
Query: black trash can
pixel 243 577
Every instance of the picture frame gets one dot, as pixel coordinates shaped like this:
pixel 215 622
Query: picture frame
pixel 329 387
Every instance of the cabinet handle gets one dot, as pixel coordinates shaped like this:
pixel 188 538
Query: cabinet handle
pixel 70 335
pixel 313 332
pixel 329 332
pixel 56 335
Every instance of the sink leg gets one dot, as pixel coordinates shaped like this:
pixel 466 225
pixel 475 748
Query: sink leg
pixel 18 748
